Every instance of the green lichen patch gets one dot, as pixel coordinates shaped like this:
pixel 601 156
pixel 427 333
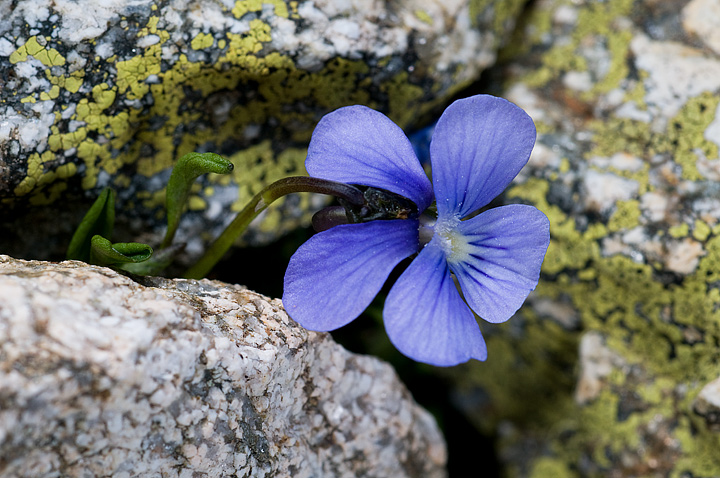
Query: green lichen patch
pixel 622 134
pixel 685 135
pixel 569 248
pixel 608 269
pixel 626 216
pixel 666 332
pixel 36 47
pixel 681 230
pixel 598 22
pixel 500 12
pixel 701 231
pixel 643 321
pixel 511 375
pixel 546 467
pixel 245 6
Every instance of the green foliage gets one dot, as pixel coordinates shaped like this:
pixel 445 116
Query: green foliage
pixel 159 261
pixel 98 221
pixel 187 169
pixel 105 253
pixel 90 242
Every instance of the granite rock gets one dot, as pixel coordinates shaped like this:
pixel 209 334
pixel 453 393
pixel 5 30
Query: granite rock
pixel 112 94
pixel 102 376
pixel 608 369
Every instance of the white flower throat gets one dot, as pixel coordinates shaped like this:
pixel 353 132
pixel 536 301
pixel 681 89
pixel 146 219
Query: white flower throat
pixel 446 232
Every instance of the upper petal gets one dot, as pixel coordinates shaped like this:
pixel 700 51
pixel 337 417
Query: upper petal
pixel 500 265
pixel 425 317
pixel 335 275
pixel 358 145
pixel 479 145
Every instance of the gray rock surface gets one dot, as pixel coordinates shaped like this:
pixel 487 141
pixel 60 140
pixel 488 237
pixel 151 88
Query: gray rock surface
pixel 112 94
pixel 102 376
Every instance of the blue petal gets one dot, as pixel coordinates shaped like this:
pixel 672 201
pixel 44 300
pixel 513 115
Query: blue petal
pixel 358 145
pixel 501 265
pixel 425 317
pixel 479 145
pixel 335 275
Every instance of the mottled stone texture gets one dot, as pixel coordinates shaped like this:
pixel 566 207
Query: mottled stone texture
pixel 111 94
pixel 101 376
pixel 607 371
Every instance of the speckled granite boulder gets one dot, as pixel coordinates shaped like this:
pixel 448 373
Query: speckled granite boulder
pixel 101 376
pixel 608 369
pixel 110 95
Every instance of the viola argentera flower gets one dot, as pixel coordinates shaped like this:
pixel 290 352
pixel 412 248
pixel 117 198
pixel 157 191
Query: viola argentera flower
pixel 478 147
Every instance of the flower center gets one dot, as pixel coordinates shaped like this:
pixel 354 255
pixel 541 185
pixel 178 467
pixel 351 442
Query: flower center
pixel 453 243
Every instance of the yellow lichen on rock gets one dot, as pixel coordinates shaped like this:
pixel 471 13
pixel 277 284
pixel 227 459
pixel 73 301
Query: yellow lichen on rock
pixel 244 6
pixel 47 56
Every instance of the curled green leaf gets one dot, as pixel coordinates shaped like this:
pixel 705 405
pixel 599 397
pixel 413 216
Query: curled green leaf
pixel 105 253
pixel 160 260
pixel 187 169
pixel 99 220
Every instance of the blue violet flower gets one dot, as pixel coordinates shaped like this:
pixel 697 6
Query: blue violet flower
pixel 479 145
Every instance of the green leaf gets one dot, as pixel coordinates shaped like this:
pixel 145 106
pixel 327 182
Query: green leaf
pixel 99 220
pixel 187 169
pixel 160 260
pixel 105 253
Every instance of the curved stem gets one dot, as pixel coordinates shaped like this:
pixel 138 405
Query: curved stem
pixel 258 204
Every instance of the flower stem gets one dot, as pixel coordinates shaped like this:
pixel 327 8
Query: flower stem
pixel 258 204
